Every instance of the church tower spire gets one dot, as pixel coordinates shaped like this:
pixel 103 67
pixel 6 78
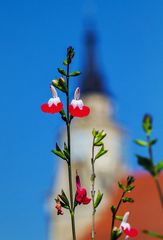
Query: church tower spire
pixel 92 80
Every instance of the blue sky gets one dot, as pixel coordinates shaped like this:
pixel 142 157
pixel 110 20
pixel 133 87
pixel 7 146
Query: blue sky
pixel 34 37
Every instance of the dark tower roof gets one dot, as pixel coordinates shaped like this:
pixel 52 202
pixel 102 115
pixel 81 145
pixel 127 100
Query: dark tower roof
pixel 92 79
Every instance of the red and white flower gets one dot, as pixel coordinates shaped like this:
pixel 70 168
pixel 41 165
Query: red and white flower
pixel 81 193
pixel 77 107
pixel 54 104
pixel 126 227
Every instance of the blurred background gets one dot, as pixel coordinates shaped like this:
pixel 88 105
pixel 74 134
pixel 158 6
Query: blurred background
pixel 123 40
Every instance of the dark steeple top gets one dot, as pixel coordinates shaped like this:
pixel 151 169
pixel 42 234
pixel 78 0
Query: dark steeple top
pixel 92 80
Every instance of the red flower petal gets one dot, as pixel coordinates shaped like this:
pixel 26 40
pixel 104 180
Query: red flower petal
pixel 78 185
pixel 77 112
pixel 132 232
pixel 86 200
pixel 51 109
pixel 78 198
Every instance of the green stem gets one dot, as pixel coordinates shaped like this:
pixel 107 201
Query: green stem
pixel 114 214
pixel 159 190
pixel 149 149
pixel 93 193
pixel 69 162
pixel 156 177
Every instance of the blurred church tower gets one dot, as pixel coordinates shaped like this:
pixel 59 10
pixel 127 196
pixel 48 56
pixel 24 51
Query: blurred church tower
pixel 110 166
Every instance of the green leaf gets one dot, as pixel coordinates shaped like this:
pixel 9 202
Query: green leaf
pixel 113 209
pixel 64 205
pixel 61 71
pixel 59 152
pixel 66 151
pixel 101 153
pixel 99 137
pixel 94 132
pixel 129 188
pixel 60 84
pixel 153 234
pixel 116 233
pixel 130 180
pixel 159 167
pixel 99 144
pixel 65 62
pixel 121 185
pixel 98 199
pixel 74 74
pixel 58 148
pixel 119 218
pixel 64 198
pixel 146 164
pixel 141 143
pixel 153 141
pixel 126 199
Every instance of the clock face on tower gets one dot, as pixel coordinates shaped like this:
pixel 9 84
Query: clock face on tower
pixel 81 145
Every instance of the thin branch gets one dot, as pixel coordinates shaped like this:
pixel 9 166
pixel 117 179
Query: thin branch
pixel 93 193
pixel 156 178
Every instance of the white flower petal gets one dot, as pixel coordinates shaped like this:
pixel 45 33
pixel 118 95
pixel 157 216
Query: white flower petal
pixel 125 225
pixel 80 104
pixel 77 103
pixel 54 101
pixel 125 217
pixel 53 91
pixel 77 94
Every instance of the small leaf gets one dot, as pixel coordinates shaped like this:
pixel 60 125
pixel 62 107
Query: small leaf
pixel 99 137
pixel 141 143
pixel 116 233
pixel 98 144
pixel 113 209
pixel 60 84
pixel 74 74
pixel 119 218
pixel 126 199
pixel 94 132
pixel 146 164
pixel 129 188
pixel 121 185
pixel 59 154
pixel 101 152
pixel 64 205
pixel 159 167
pixel 64 198
pixel 65 62
pixel 153 141
pixel 61 71
pixel 58 148
pixel 153 234
pixel 98 199
pixel 130 180
pixel 66 151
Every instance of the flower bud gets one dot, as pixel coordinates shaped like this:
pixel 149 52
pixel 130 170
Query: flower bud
pixel 147 123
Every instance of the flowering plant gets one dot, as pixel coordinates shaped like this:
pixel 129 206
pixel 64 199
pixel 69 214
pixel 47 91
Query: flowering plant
pixel 76 108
